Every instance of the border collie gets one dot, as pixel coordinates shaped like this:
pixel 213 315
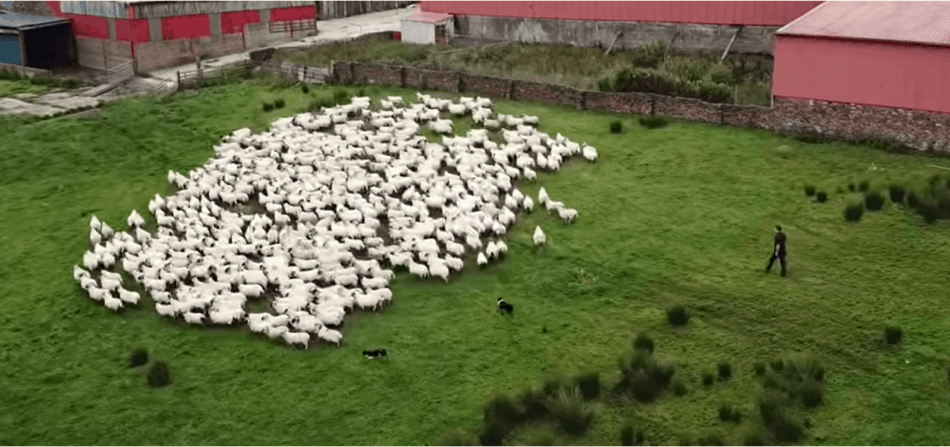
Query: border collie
pixel 376 353
pixel 505 307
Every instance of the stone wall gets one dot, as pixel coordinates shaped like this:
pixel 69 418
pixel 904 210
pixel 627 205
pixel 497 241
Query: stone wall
pixel 153 55
pixel 849 122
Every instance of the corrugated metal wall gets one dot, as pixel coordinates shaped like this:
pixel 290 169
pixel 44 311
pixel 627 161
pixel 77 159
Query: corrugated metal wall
pixel 751 13
pixel 10 49
pixel 337 10
pixel 297 13
pixel 863 72
pixel 186 27
pixel 117 10
pixel 170 9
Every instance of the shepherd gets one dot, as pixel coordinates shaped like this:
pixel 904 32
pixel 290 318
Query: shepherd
pixel 779 252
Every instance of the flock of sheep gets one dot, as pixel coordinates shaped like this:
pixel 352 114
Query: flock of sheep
pixel 318 211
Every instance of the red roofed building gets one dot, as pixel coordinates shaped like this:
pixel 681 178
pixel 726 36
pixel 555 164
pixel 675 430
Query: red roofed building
pixel 691 26
pixel 426 28
pixel 885 54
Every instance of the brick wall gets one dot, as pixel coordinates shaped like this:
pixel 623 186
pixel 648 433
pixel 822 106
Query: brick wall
pixel 849 122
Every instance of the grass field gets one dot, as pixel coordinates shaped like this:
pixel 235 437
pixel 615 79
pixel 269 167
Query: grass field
pixel 10 88
pixel 558 64
pixel 677 215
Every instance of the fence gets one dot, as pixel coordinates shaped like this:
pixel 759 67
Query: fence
pixel 300 73
pixel 121 72
pixel 194 78
pixel 25 71
pixel 852 122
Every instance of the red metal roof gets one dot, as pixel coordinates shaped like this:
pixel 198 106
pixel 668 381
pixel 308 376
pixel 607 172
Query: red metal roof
pixel 749 13
pixel 917 22
pixel 428 17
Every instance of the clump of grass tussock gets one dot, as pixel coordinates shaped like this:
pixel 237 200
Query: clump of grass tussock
pixel 571 410
pixel 853 212
pixel 653 122
pixel 588 385
pixel 643 342
pixel 138 358
pixel 458 438
pixel 629 435
pixel 643 378
pixel 874 201
pixel 893 335
pixel 159 375
pixel 677 316
pixel 616 126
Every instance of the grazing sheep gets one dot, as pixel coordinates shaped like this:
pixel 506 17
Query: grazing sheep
pixel 297 338
pixel 539 237
pixel 194 318
pixel 165 310
pixel 330 335
pixel 114 304
pixel 481 259
pixel 128 296
pixel 97 294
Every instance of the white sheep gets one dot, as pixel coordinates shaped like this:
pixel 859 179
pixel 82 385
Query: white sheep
pixel 165 310
pixel 481 259
pixel 330 335
pixel 539 237
pixel 129 296
pixel 114 304
pixel 296 338
pixel 194 318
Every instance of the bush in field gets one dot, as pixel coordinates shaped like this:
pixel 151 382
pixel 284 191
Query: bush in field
pixel 874 201
pixel 305 89
pixel 677 316
pixel 653 122
pixel 809 190
pixel 279 103
pixel 863 186
pixel 650 56
pixel 643 378
pixel 604 85
pixel 643 342
pixel 267 107
pixel 708 379
pixel 573 413
pixel 629 435
pixel 138 358
pixel 533 406
pixel 502 411
pixel 616 127
pixel 821 197
pixel 893 335
pixel 897 194
pixel 725 371
pixel 158 375
pixel 492 435
pixel 853 212
pixel 588 385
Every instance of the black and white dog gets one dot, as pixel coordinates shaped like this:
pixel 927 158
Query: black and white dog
pixel 374 354
pixel 505 307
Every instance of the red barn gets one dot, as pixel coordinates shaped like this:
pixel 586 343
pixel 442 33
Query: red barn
pixel 692 26
pixel 886 54
pixel 157 34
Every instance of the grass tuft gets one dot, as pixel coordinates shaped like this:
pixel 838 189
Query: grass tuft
pixel 158 375
pixel 653 122
pixel 893 335
pixel 616 126
pixel 677 316
pixel 573 413
pixel 874 201
pixel 138 358
pixel 725 371
pixel 821 196
pixel 643 342
pixel 809 191
pixel 853 212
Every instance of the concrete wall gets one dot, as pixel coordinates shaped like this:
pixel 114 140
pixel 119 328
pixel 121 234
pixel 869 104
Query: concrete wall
pixel 338 9
pixel 152 55
pixel 169 9
pixel 418 32
pixel 102 53
pixel 849 122
pixel 693 39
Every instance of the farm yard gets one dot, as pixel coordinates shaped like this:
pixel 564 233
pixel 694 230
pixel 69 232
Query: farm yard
pixel 676 216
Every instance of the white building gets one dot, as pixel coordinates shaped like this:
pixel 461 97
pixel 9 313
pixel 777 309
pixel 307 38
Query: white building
pixel 426 28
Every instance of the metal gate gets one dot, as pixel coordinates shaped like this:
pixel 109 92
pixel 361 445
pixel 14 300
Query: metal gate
pixel 10 49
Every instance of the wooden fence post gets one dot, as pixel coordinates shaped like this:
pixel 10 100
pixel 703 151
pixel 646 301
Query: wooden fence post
pixel 402 77
pixel 511 90
pixel 178 73
pixel 459 84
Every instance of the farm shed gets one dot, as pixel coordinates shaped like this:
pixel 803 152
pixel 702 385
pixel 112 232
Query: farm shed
pixel 339 10
pixel 426 28
pixel 690 26
pixel 157 34
pixel 886 54
pixel 35 41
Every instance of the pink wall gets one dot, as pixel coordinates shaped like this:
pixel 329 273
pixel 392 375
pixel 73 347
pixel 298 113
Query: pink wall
pixel 233 22
pixel 89 26
pixel 297 13
pixel 863 72
pixel 132 30
pixel 750 13
pixel 186 27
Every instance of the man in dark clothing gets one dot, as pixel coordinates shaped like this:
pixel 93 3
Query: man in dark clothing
pixel 779 251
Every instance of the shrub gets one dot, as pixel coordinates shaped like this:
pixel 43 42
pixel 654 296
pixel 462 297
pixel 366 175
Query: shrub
pixel 305 89
pixel 551 387
pixel 650 56
pixel 573 414
pixel 811 394
pixel 759 368
pixel 533 405
pixel 874 201
pixel 629 435
pixel 643 378
pixel 267 107
pixel 729 414
pixel 457 438
pixel 853 212
pixel 279 103
pixel 785 429
pixel 809 190
pixel 897 193
pixel 677 316
pixel 928 209
pixel 851 187
pixel 604 85
pixel 589 385
pixel 643 342
pixel 502 411
pixel 616 127
pixel 725 371
pixel 821 196
pixel 708 379
pixel 893 335
pixel 653 122
pixel 679 388
pixel 158 375
pixel 863 186
pixel 492 435
pixel 138 358
pixel 912 199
